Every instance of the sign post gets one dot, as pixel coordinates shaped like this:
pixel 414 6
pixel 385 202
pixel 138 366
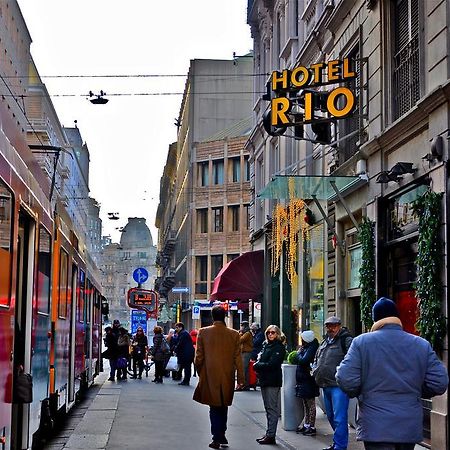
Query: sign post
pixel 140 275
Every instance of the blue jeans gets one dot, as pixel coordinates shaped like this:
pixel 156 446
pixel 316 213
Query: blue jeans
pixel 218 418
pixel 336 407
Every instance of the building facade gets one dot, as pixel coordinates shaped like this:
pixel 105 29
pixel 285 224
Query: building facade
pixel 382 159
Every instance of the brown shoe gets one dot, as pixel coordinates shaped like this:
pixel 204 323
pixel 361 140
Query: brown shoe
pixel 268 440
pixel 214 444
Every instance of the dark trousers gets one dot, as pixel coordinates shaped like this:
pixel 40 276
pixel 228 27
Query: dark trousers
pixel 218 417
pixel 138 362
pixel 186 367
pixel 113 367
pixel 159 370
pixel 387 446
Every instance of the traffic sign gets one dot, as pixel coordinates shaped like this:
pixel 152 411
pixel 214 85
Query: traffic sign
pixel 180 290
pixel 195 312
pixel 140 275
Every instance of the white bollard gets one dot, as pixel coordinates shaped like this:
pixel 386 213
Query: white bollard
pixel 291 407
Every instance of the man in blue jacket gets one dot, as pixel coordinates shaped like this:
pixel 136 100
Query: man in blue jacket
pixel 390 370
pixel 185 351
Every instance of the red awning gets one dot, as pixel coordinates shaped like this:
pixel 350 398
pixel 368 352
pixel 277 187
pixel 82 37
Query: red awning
pixel 242 278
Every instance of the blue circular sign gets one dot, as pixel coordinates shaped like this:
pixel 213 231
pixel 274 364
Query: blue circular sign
pixel 140 275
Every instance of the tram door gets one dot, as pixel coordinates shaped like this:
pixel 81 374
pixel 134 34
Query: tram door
pixel 73 307
pixel 22 325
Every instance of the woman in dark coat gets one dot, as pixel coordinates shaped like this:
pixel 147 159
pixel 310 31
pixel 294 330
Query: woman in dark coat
pixel 306 388
pixel 268 369
pixel 159 352
pixel 139 350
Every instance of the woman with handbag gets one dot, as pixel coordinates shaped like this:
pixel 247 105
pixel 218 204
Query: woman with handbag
pixel 139 350
pixel 160 352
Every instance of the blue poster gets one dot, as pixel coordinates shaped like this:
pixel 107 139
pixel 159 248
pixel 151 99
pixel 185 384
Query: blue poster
pixel 138 318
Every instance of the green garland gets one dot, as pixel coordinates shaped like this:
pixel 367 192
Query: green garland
pixel 431 323
pixel 367 271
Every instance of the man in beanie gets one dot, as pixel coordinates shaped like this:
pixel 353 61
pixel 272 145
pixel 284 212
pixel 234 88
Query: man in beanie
pixel 329 355
pixel 390 370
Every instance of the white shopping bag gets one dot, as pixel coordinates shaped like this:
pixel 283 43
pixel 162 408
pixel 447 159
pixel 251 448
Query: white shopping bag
pixel 172 364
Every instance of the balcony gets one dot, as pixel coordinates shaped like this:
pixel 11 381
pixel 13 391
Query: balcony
pixel 169 243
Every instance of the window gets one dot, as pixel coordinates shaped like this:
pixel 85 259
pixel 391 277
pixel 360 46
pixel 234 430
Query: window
pixel 246 169
pixel 216 265
pixel 5 244
pixel 81 296
pixel 235 170
pixel 142 255
pixel 233 218
pixel 218 172
pixel 203 173
pixel 406 64
pixel 247 216
pixel 63 286
pixel 202 220
pixel 218 219
pixel 232 256
pixel 201 274
pixel 44 271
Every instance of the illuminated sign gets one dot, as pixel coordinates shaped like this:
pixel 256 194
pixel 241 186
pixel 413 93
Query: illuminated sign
pixel 143 298
pixel 296 100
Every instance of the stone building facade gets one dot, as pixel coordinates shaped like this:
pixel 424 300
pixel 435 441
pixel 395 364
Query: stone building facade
pixel 394 147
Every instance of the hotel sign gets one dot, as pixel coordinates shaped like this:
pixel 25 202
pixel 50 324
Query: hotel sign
pixel 297 98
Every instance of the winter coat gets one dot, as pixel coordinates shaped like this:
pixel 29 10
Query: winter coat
pixel 246 342
pixel 111 344
pixel 123 346
pixel 184 348
pixel 329 356
pixel 268 365
pixel 217 359
pixel 157 351
pixel 258 340
pixel 390 370
pixel 306 386
pixel 140 344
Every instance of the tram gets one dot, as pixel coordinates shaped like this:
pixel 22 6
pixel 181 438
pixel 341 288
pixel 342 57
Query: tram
pixel 50 306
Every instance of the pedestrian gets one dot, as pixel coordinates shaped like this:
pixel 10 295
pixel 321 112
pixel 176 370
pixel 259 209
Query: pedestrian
pixel 331 352
pixel 268 368
pixel 123 353
pixel 306 388
pixel 194 333
pixel 185 353
pixel 390 370
pixel 258 339
pixel 218 359
pixel 112 351
pixel 139 350
pixel 246 339
pixel 160 352
pixel 176 374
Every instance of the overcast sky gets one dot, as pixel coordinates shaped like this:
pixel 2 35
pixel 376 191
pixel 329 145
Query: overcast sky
pixel 128 138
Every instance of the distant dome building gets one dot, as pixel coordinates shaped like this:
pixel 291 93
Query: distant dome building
pixel 136 234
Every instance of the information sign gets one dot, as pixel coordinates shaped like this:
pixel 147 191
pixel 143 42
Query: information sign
pixel 138 319
pixel 138 297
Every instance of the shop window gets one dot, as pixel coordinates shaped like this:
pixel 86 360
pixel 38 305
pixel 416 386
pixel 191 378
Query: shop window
pixel 233 217
pixel 217 175
pixel 5 244
pixel 201 274
pixel 44 271
pixel 203 173
pixel 218 219
pixel 63 284
pixel 202 220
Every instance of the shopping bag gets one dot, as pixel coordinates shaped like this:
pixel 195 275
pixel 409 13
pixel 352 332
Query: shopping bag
pixel 172 364
pixel 122 363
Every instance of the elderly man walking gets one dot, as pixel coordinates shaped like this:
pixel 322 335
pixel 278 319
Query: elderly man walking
pixel 217 359
pixel 329 355
pixel 390 370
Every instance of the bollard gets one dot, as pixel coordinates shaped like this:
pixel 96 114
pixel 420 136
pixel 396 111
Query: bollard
pixel 291 407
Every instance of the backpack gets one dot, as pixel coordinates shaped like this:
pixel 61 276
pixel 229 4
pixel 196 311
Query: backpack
pixel 345 334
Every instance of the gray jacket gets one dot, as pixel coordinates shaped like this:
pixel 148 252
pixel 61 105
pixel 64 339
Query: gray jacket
pixel 328 357
pixel 390 370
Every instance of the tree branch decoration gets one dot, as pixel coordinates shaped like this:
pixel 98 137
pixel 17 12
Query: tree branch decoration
pixel 431 322
pixel 367 271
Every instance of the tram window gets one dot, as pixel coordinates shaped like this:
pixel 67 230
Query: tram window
pixel 63 287
pixel 81 294
pixel 5 244
pixel 44 270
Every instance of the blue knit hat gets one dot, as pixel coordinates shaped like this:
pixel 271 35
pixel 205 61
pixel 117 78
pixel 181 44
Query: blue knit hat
pixel 384 307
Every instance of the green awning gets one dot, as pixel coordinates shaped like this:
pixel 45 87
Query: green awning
pixel 308 187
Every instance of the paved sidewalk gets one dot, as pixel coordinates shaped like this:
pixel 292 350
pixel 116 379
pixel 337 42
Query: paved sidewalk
pixel 138 414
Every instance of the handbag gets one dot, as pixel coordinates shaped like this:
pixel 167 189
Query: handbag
pixel 122 363
pixel 23 392
pixel 165 347
pixel 172 364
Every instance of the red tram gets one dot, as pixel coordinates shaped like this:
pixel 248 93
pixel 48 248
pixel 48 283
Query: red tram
pixel 50 306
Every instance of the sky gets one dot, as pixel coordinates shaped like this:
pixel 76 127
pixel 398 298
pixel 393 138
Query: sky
pixel 128 138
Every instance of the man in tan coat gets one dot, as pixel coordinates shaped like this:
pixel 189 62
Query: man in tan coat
pixel 217 358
